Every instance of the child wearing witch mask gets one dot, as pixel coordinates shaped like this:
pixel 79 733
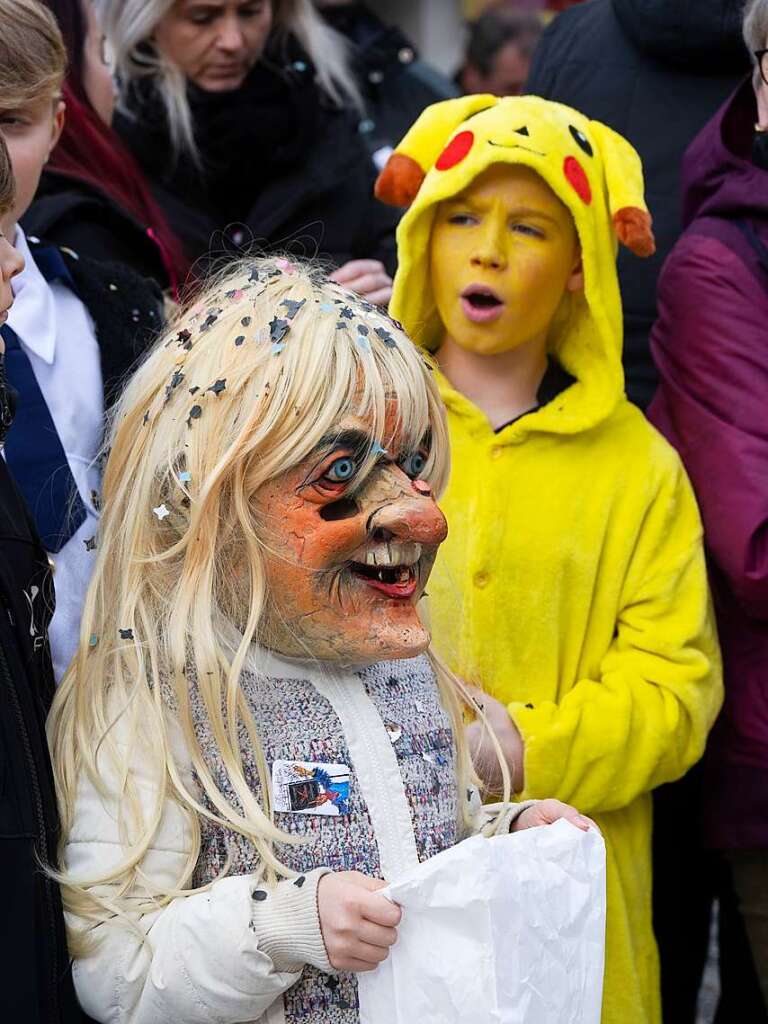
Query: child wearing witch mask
pixel 251 736
pixel 572 586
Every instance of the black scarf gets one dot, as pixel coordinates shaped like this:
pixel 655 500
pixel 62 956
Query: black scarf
pixel 246 138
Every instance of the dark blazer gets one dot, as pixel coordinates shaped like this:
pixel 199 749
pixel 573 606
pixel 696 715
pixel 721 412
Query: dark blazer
pixel 654 70
pixel 35 977
pixel 126 309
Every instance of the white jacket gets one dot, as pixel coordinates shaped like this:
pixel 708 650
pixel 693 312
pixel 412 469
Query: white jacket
pixel 218 955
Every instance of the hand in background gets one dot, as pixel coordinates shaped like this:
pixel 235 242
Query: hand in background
pixel 547 812
pixel 481 748
pixel 358 926
pixel 368 278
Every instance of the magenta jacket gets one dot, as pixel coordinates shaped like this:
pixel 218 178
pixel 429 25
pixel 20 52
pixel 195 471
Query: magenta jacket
pixel 710 345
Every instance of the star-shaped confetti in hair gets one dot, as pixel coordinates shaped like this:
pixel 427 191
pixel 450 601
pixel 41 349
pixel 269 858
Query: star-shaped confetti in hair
pixel 286 266
pixel 219 386
pixel 398 325
pixel 185 476
pixel 277 348
pixel 236 294
pixel 239 340
pixel 386 337
pixel 326 307
pixel 254 274
pixel 377 449
pixel 210 320
pixel 194 414
pixel 126 634
pixel 184 339
pixel 346 313
pixel 362 329
pixel 90 543
pixel 146 418
pixel 292 307
pixel 194 389
pixel 93 640
pixel 278 329
pixel 162 512
pixel 96 500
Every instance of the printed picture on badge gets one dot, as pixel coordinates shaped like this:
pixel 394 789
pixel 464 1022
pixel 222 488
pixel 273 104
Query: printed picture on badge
pixel 302 787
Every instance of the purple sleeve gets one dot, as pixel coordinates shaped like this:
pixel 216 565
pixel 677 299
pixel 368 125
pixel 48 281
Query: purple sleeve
pixel 710 345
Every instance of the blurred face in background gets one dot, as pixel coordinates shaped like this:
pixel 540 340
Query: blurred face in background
pixel 31 130
pixel 506 75
pixel 97 75
pixel 215 42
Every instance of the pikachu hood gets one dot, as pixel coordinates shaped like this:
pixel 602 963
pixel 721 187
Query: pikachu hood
pixel 594 171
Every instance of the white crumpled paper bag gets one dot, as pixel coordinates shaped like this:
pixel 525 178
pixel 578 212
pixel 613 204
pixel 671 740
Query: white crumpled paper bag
pixel 509 929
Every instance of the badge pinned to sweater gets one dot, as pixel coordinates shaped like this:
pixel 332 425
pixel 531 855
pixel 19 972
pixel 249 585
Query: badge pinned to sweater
pixel 302 787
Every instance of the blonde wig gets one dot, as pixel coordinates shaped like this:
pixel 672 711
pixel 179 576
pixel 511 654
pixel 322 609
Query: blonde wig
pixel 130 24
pixel 217 410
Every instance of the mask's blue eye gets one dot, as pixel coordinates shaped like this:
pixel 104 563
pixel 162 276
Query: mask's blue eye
pixel 341 470
pixel 413 465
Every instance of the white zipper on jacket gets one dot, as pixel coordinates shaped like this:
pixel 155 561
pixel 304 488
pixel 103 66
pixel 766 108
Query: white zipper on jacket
pixel 376 770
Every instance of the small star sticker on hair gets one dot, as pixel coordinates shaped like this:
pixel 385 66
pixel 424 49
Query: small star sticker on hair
pixel 292 307
pixel 362 329
pixel 326 307
pixel 219 386
pixel 209 321
pixel 162 511
pixel 146 417
pixel 90 543
pixel 341 325
pixel 346 313
pixel 194 389
pixel 93 640
pixel 185 339
pixel 194 414
pixel 96 500
pixel 185 476
pixel 386 337
pixel 126 634
pixel 239 340
pixel 246 321
pixel 278 329
pixel 236 294
pixel 254 274
pixel 286 266
pixel 277 348
pixel 377 449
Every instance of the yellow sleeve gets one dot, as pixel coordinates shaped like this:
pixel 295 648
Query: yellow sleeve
pixel 644 719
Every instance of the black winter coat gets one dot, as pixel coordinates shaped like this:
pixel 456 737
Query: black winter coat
pixel 35 977
pixel 73 213
pixel 655 71
pixel 282 172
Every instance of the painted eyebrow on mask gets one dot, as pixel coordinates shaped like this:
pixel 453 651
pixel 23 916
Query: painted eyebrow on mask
pixel 358 440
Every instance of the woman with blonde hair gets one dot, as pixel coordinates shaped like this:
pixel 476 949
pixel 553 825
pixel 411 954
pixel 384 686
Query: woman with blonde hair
pixel 245 116
pixel 251 735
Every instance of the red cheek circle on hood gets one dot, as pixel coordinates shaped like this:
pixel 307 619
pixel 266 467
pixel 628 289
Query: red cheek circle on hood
pixel 455 151
pixel 577 177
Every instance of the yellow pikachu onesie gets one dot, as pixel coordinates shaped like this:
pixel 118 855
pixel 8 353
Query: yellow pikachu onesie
pixel 572 586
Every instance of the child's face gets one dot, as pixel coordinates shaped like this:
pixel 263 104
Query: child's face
pixel 348 560
pixel 11 264
pixel 31 131
pixel 502 255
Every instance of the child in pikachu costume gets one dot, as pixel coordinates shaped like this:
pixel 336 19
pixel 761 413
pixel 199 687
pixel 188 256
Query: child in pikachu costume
pixel 572 586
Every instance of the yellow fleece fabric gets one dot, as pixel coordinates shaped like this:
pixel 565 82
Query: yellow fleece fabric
pixel 572 585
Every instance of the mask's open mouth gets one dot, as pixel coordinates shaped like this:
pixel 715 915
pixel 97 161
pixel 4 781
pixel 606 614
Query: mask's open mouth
pixel 396 581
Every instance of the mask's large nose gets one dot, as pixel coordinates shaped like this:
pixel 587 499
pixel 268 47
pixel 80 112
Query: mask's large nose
pixel 414 518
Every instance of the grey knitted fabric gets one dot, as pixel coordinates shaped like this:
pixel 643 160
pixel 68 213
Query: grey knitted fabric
pixel 296 723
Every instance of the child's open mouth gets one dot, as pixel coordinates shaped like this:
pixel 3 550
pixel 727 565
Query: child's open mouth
pixel 481 304
pixel 396 581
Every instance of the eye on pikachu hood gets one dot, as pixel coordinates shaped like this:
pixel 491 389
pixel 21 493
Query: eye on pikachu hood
pixel 592 170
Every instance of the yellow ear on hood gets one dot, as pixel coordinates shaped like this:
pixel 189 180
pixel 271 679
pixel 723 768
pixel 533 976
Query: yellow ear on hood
pixel 624 182
pixel 400 180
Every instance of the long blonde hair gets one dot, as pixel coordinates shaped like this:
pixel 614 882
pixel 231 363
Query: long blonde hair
pixel 217 409
pixel 130 24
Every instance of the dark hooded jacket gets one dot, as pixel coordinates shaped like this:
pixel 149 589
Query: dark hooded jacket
pixel 711 348
pixel 654 70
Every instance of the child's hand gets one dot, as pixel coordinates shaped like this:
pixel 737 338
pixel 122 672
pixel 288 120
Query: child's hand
pixel 546 812
pixel 358 926
pixel 369 278
pixel 481 748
